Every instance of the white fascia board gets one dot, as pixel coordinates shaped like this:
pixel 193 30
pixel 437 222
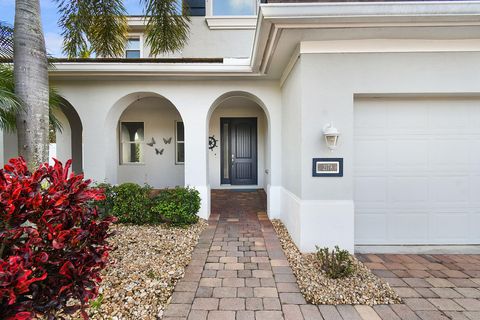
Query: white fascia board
pixel 231 22
pixel 400 9
pixel 139 69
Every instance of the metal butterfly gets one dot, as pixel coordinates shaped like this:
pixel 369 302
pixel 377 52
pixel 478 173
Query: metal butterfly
pixel 150 144
pixel 167 141
pixel 160 152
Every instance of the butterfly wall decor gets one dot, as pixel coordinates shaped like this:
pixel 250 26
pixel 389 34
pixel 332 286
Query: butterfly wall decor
pixel 159 152
pixel 167 141
pixel 151 143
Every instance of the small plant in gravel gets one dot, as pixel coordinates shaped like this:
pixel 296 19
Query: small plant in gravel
pixel 336 263
pixel 132 203
pixel 178 206
pixel 52 241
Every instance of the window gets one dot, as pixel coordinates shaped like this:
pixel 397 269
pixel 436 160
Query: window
pixel 179 143
pixel 234 7
pixel 131 142
pixel 133 48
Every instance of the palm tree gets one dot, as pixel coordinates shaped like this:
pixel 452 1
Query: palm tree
pixel 10 105
pixel 99 26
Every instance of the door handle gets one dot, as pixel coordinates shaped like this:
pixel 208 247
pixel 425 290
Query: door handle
pixel 233 158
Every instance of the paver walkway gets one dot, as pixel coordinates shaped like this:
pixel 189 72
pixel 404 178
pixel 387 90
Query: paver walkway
pixel 433 287
pixel 239 272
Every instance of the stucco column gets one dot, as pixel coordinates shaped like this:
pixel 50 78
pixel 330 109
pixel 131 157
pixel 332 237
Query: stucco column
pixel 196 157
pixel 95 137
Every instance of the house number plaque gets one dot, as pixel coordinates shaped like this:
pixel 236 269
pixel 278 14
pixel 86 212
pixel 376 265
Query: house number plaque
pixel 327 167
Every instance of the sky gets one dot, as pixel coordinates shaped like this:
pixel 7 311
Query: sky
pixel 53 38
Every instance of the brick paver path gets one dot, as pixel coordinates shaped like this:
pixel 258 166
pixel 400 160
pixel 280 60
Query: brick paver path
pixel 433 287
pixel 239 272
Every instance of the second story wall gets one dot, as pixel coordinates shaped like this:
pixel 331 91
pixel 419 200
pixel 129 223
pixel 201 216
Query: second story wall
pixel 204 42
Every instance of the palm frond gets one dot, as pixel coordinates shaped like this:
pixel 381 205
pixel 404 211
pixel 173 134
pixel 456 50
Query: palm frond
pixel 9 103
pixel 74 16
pixel 6 41
pixel 93 25
pixel 54 101
pixel 108 28
pixel 167 25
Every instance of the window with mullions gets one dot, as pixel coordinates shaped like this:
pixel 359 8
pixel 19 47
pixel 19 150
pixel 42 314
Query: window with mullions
pixel 132 142
pixel 133 48
pixel 179 143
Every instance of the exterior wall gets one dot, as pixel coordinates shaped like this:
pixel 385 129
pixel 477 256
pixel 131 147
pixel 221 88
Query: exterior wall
pixel 291 152
pixel 330 84
pixel 159 171
pixel 236 107
pixel 63 145
pixel 206 43
pixel 9 146
pixel 100 105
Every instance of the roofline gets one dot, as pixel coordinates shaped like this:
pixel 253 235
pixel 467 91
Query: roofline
pixel 273 18
pixel 130 60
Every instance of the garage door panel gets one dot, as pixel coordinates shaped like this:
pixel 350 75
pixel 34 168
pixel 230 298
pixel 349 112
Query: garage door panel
pixel 474 226
pixel 450 227
pixel 371 190
pixel 408 228
pixel 400 151
pixel 405 190
pixel 474 154
pixel 374 119
pixel 474 191
pixel 372 154
pixel 449 116
pixel 450 152
pixel 449 189
pixel 417 175
pixel 400 118
pixel 370 228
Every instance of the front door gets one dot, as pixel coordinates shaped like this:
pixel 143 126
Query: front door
pixel 239 151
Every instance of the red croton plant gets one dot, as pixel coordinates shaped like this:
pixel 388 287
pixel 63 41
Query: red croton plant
pixel 52 241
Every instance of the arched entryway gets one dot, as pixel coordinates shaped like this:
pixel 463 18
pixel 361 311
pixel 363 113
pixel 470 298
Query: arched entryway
pixel 239 136
pixel 150 143
pixel 67 142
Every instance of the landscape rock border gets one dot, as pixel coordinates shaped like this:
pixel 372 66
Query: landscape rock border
pixel 363 287
pixel 147 262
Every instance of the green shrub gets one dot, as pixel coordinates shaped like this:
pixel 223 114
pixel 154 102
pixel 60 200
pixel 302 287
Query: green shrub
pixel 105 207
pixel 132 203
pixel 337 263
pixel 178 206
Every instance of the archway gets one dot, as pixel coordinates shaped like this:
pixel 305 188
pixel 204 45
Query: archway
pixel 69 138
pixel 150 142
pixel 239 122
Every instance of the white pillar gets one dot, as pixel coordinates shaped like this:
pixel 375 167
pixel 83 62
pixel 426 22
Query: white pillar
pixel 95 138
pixel 196 157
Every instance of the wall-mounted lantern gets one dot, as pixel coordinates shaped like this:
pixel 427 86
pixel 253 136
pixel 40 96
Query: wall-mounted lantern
pixel 331 135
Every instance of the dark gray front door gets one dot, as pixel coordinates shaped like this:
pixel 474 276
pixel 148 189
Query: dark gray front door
pixel 239 151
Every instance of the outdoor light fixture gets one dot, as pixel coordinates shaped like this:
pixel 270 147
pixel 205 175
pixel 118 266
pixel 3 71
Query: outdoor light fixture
pixel 331 135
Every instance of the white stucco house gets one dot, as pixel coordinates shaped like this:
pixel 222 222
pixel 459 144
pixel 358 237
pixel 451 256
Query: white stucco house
pixel 400 81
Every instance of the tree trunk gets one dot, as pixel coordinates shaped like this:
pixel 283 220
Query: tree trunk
pixel 31 82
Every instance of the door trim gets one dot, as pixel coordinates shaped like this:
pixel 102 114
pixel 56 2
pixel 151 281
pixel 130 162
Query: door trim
pixel 228 120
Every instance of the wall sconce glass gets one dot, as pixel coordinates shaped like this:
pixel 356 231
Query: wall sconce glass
pixel 331 135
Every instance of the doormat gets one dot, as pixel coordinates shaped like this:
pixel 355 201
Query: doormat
pixel 244 190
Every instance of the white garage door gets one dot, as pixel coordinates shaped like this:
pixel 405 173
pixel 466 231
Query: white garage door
pixel 417 171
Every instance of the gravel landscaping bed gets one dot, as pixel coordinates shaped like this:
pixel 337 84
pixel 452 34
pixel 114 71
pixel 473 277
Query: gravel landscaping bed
pixel 363 287
pixel 146 264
